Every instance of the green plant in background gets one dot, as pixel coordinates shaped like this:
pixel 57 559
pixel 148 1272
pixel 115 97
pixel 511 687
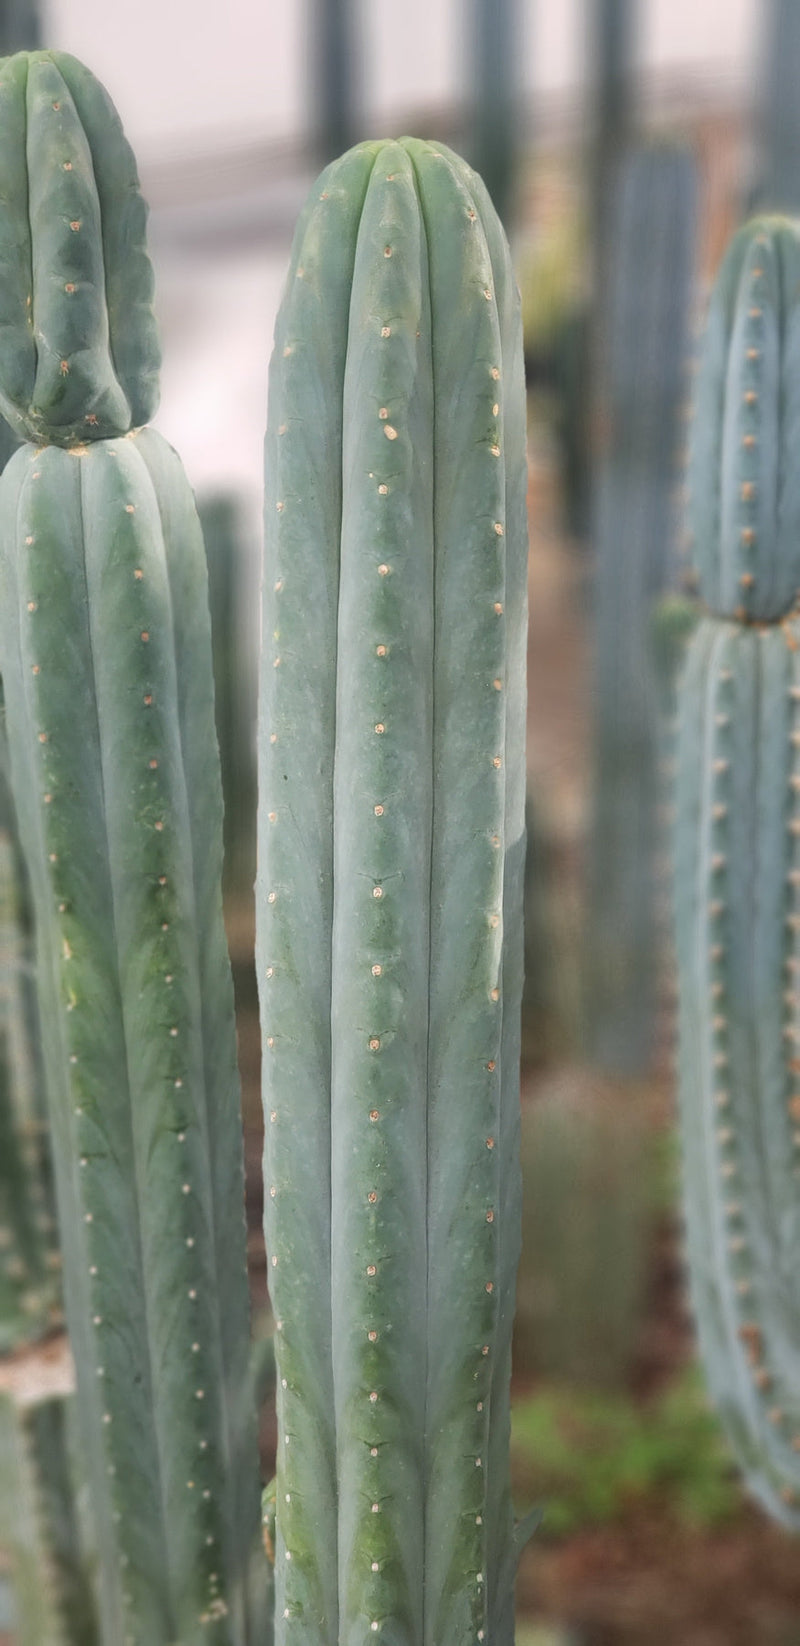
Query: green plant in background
pixel 235 709
pixel 737 863
pixel 389 901
pixel 642 391
pixel 593 1458
pixel 495 114
pixel 106 663
pixel 42 1528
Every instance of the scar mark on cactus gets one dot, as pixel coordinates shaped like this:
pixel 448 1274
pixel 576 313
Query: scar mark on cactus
pixel 391 433
pixel 387 251
pixel 64 368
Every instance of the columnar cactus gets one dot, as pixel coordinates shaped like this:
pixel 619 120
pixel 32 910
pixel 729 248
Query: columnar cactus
pixel 106 664
pixel 389 898
pixel 737 864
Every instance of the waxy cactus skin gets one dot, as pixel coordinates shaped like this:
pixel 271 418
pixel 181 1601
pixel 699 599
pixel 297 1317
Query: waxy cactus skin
pixel 106 667
pixel 744 479
pixel 737 864
pixel 105 656
pixel 79 353
pixel 389 901
pixel 737 877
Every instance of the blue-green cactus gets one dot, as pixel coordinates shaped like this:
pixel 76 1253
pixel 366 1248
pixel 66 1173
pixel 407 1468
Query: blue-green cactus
pixel 737 866
pixel 105 656
pixel 79 354
pixel 389 901
pixel 744 503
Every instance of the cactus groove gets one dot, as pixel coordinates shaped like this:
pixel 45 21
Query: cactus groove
pixel 389 896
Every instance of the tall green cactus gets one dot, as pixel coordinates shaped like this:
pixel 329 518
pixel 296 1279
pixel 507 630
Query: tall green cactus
pixel 635 528
pixel 737 863
pixel 389 898
pixel 106 664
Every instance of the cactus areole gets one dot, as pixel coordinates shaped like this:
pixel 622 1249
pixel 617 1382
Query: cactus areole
pixel 389 901
pixel 737 864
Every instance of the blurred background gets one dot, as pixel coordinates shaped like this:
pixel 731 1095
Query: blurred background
pixel 623 141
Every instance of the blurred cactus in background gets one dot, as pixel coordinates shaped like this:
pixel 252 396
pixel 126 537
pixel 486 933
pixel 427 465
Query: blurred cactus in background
pixel 611 36
pixel 778 175
pixel 737 863
pixel 46 1561
pixel 591 1171
pixel 334 47
pixel 20 26
pixel 496 112
pixel 234 685
pixel 644 383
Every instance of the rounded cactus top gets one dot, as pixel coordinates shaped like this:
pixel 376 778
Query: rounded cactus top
pixel 744 474
pixel 79 353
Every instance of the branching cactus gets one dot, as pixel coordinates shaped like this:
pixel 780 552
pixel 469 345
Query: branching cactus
pixel 106 664
pixel 389 901
pixel 737 869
